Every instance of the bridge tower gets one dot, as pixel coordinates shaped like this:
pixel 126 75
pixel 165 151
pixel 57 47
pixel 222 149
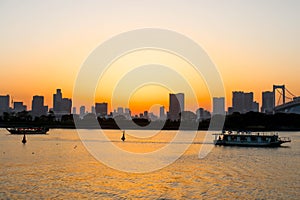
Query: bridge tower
pixel 282 87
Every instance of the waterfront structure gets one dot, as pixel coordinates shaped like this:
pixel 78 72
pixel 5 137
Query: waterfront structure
pixel 289 107
pixel 176 106
pixel 218 106
pixel 37 107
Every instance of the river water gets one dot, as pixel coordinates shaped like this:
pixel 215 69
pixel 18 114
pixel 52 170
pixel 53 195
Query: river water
pixel 57 165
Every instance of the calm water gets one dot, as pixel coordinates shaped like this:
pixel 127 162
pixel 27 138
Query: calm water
pixel 57 165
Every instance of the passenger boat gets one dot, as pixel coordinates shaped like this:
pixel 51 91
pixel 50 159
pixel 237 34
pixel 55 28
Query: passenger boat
pixel 249 139
pixel 28 130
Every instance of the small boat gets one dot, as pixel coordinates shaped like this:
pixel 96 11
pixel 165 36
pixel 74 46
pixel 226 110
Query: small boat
pixel 249 139
pixel 123 136
pixel 28 130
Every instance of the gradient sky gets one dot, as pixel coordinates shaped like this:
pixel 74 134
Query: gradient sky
pixel 255 44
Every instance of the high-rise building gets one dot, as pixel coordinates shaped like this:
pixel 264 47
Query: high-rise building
pixel 219 106
pixel 243 102
pixel 82 111
pixel 61 106
pixel 162 114
pixel 74 111
pixel 19 107
pixel 120 111
pixel 146 116
pixel 127 113
pixel 176 106
pixel 268 102
pixel 255 107
pixel 101 109
pixel 57 101
pixel 202 114
pixel 66 106
pixel 93 109
pixel 37 106
pixel 4 104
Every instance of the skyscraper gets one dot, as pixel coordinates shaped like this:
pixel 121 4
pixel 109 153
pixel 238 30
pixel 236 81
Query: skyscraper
pixel 120 110
pixel 4 104
pixel 176 106
pixel 93 109
pixel 61 106
pixel 57 99
pixel 38 108
pixel 82 111
pixel 19 107
pixel 74 111
pixel 243 102
pixel 66 106
pixel 101 109
pixel 219 106
pixel 162 114
pixel 268 103
pixel 202 114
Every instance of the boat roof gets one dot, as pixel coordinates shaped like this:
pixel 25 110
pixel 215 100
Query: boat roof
pixel 248 133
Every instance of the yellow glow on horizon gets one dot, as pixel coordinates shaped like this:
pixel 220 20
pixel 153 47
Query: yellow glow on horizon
pixel 123 73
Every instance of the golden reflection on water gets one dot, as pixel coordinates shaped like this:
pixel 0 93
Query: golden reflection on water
pixel 141 145
pixel 58 166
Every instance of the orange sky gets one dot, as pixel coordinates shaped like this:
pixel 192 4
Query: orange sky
pixel 253 44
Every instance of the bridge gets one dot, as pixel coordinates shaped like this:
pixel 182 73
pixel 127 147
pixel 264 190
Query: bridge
pixel 293 104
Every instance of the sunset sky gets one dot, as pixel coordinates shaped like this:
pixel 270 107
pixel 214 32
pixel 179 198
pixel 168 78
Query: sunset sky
pixel 43 44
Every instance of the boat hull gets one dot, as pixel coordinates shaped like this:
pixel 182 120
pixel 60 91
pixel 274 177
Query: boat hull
pixel 271 144
pixel 27 131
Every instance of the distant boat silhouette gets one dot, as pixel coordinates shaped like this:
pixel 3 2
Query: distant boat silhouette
pixel 24 139
pixel 123 136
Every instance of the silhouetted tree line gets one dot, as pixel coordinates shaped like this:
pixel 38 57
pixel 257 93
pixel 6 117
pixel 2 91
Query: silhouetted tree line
pixel 252 121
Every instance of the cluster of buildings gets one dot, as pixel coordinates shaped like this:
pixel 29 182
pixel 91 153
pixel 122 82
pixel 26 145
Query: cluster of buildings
pixel 61 106
pixel 242 102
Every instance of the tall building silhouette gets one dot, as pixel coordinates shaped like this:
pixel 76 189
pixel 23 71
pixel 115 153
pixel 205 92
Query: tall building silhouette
pixel 61 106
pixel 218 106
pixel 101 109
pixel 202 114
pixel 120 111
pixel 82 111
pixel 4 104
pixel 243 102
pixel 162 114
pixel 57 99
pixel 127 113
pixel 93 109
pixel 268 102
pixel 66 106
pixel 19 107
pixel 38 108
pixel 74 111
pixel 176 106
